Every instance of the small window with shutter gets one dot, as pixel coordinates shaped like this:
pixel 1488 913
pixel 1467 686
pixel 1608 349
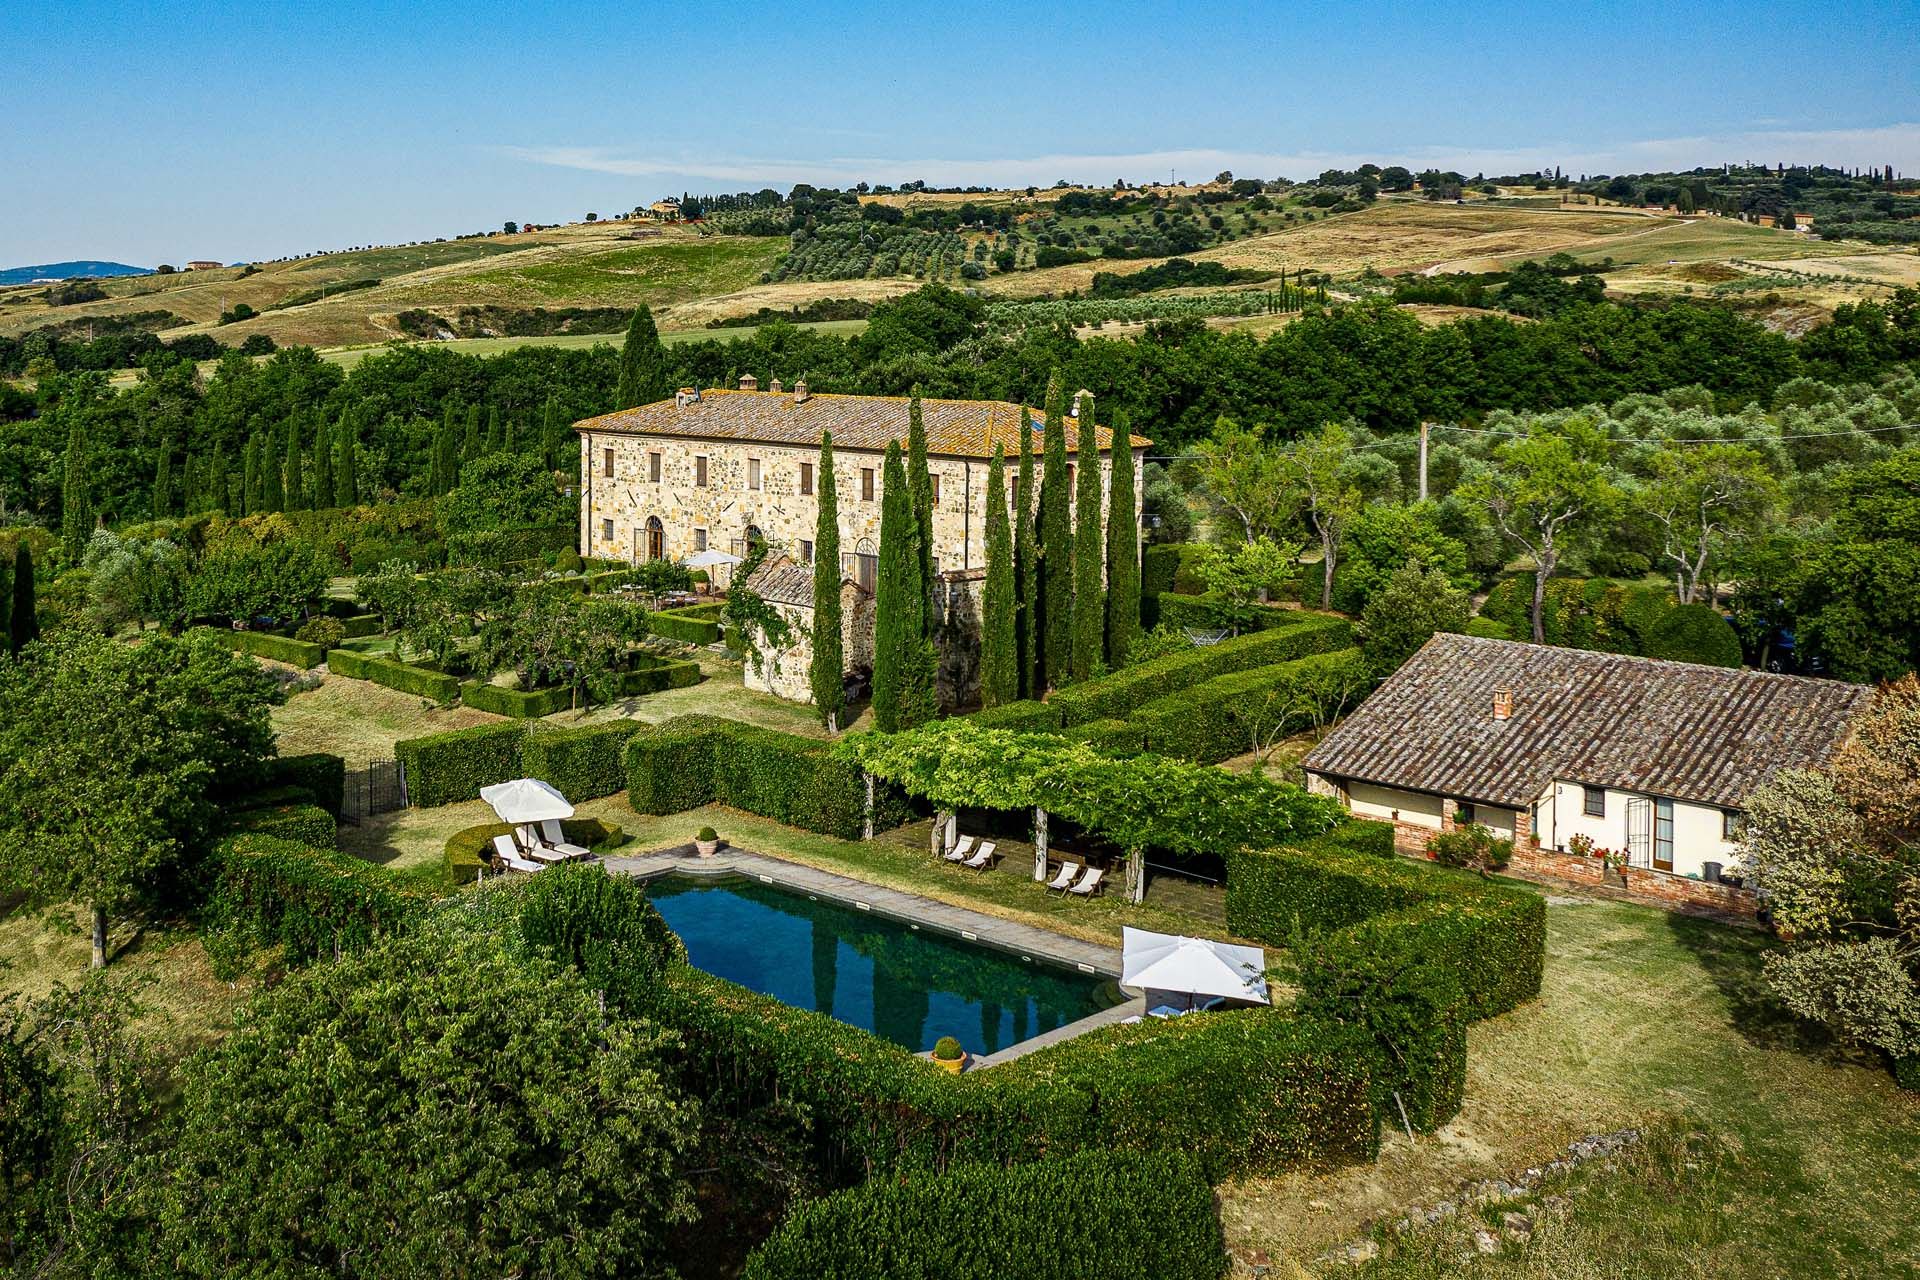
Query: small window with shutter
pixel 936 489
pixel 606 463
pixel 700 471
pixel 653 467
pixel 699 539
pixel 806 479
pixel 606 531
pixel 753 473
pixel 866 484
pixel 806 551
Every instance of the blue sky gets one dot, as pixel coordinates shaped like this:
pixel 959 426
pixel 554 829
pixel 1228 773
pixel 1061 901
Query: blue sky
pixel 162 132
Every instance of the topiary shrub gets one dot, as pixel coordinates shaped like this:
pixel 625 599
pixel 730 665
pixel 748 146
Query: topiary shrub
pixel 443 768
pixel 706 834
pixel 1091 1214
pixel 1694 633
pixel 325 632
pixel 946 1048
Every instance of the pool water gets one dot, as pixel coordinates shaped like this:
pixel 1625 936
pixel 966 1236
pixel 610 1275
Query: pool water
pixel 906 985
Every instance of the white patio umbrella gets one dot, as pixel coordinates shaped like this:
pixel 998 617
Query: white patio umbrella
pixel 708 559
pixel 526 800
pixel 1192 967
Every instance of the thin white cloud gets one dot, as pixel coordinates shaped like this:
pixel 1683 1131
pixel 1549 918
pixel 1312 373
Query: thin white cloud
pixel 1895 144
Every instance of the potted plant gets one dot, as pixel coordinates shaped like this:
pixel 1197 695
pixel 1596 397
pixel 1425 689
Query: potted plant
pixel 706 842
pixel 1616 860
pixel 948 1054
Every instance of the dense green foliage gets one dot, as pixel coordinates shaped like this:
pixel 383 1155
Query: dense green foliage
pixel 1081 1217
pixel 1244 711
pixel 263 644
pixel 826 673
pixel 321 775
pixel 1089 579
pixel 444 768
pixel 314 903
pixel 581 763
pixel 1054 547
pixel 999 605
pixel 1123 553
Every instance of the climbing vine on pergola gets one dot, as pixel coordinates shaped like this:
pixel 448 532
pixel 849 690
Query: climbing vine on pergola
pixel 1138 802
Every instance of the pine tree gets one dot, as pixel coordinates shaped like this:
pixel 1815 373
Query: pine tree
pixel 296 481
pixel 252 491
pixel 76 498
pixel 1026 567
pixel 163 481
pixel 920 486
pixel 643 364
pixel 1123 550
pixel 217 498
pixel 273 497
pixel 23 623
pixel 1056 548
pixel 1089 613
pixel 496 438
pixel 999 644
pixel 322 465
pixel 346 476
pixel 826 677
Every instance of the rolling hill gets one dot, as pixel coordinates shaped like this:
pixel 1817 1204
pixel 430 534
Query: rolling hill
pixel 47 271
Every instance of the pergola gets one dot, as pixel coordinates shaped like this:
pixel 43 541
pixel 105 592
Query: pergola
pixel 1138 802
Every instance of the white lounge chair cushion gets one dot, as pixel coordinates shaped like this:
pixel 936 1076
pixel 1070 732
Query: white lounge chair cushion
pixel 556 839
pixel 962 849
pixel 1088 882
pixel 504 847
pixel 1068 870
pixel 979 861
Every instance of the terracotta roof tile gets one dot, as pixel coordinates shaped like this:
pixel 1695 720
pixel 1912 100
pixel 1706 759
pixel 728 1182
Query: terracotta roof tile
pixel 1672 729
pixel 955 428
pixel 784 580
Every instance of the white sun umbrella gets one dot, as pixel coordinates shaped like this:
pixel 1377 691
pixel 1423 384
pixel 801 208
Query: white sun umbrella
pixel 526 800
pixel 1193 966
pixel 708 559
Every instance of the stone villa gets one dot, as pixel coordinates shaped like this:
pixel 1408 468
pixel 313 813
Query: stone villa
pixel 718 469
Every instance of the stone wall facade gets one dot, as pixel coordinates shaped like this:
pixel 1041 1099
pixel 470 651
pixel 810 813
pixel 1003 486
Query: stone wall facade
pixel 786 672
pixel 628 514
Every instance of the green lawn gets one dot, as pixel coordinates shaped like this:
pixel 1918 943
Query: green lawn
pixel 666 272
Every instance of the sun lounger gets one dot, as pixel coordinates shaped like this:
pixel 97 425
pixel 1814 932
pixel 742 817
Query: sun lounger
pixel 509 853
pixel 981 860
pixel 1068 870
pixel 1087 883
pixel 554 838
pixel 534 847
pixel 961 851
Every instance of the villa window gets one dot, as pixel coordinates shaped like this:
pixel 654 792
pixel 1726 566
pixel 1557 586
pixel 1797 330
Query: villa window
pixel 936 490
pixel 866 484
pixel 699 539
pixel 700 471
pixel 606 531
pixel 606 464
pixel 753 473
pixel 1595 801
pixel 806 479
pixel 653 467
pixel 1729 825
pixel 1463 814
pixel 806 551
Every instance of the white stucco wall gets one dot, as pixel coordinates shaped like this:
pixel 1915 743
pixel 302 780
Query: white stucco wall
pixel 1696 827
pixel 1391 805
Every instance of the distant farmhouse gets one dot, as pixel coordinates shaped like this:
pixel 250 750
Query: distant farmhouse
pixel 723 469
pixel 1541 743
pixel 203 264
pixel 667 210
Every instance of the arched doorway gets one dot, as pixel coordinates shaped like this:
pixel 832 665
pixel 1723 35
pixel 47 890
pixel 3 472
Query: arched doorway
pixel 866 565
pixel 656 540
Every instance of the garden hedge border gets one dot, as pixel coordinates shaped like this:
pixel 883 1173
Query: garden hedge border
pixel 319 773
pixel 440 687
pixel 1168 568
pixel 313 902
pixel 290 815
pixel 445 768
pixel 697 624
pixel 264 644
pixel 583 762
pixel 1216 719
pixel 1095 1213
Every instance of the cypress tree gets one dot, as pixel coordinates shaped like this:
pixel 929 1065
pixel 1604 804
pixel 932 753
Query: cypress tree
pixel 163 481
pixel 6 608
pixel 447 457
pixel 24 623
pixel 643 364
pixel 76 498
pixel 496 440
pixel 1123 549
pixel 826 676
pixel 346 477
pixel 272 496
pixel 999 645
pixel 920 485
pixel 322 465
pixel 512 444
pixel 217 498
pixel 893 623
pixel 252 494
pixel 1089 615
pixel 1026 567
pixel 550 435
pixel 1056 549
pixel 470 448
pixel 296 482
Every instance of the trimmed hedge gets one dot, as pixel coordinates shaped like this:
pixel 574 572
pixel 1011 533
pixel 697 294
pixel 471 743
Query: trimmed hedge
pixel 695 624
pixel 1211 613
pixel 1088 1216
pixel 652 674
pixel 443 768
pixel 1488 629
pixel 1115 737
pixel 1169 567
pixel 440 687
pixel 1118 695
pixel 320 774
pixel 314 902
pixel 1216 720
pixel 296 819
pixel 362 625
pixel 1023 716
pixel 582 762
pixel 521 704
pixel 262 644
pixel 690 761
pixel 468 851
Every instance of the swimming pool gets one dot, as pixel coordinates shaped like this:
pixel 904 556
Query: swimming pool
pixel 907 985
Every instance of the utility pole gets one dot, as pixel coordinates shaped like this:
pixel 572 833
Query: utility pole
pixel 1423 461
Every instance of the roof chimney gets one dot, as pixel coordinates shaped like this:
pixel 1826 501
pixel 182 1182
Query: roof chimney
pixel 749 383
pixel 1074 411
pixel 775 387
pixel 1503 704
pixel 686 396
pixel 800 391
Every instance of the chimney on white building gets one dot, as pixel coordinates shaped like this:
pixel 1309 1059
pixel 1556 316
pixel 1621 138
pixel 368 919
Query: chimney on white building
pixel 749 383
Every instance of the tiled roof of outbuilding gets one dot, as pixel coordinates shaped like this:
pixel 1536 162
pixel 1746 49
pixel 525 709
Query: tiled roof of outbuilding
pixel 955 428
pixel 783 580
pixel 1672 729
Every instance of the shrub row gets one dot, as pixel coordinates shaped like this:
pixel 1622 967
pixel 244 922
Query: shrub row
pixel 521 704
pixel 262 644
pixel 695 624
pixel 1241 1091
pixel 294 817
pixel 1223 716
pixel 314 902
pixel 436 685
pixel 470 851
pixel 1210 613
pixel 1118 695
pixel 362 625
pixel 444 768
pixel 1169 568
pixel 1081 1217
pixel 690 761
pixel 582 762
pixel 1024 716
pixel 321 775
